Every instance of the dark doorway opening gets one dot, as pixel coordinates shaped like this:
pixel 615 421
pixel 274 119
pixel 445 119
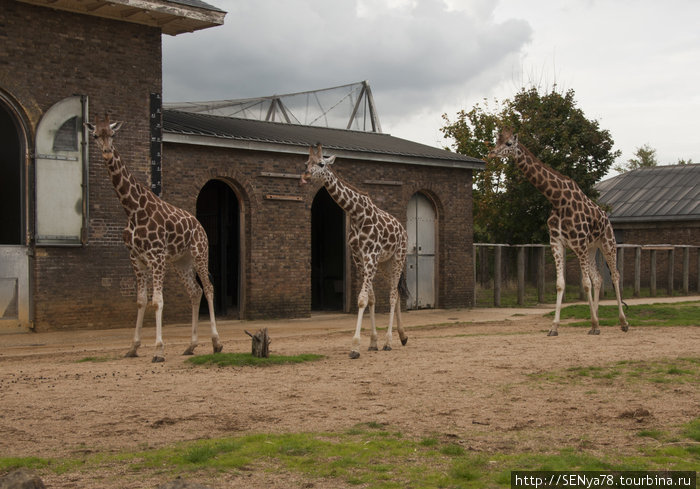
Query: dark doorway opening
pixel 218 211
pixel 10 180
pixel 327 253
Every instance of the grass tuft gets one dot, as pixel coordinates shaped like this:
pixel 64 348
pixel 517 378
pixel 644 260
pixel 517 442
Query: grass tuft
pixel 248 360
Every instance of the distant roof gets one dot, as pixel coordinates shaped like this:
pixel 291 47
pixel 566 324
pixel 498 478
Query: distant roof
pixel 171 16
pixel 210 130
pixel 668 193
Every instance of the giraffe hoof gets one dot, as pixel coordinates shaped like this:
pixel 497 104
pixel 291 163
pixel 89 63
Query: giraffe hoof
pixel 131 354
pixel 354 354
pixel 404 341
pixel 594 332
pixel 386 348
pixel 625 327
pixel 158 359
pixel 189 351
pixel 552 333
pixel 218 348
pixel 372 348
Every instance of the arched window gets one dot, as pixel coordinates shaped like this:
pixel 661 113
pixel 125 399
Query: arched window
pixel 61 168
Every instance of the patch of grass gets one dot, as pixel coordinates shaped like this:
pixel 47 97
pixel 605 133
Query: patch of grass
pixel 95 359
pixel 663 371
pixel 247 359
pixel 675 314
pixel 374 457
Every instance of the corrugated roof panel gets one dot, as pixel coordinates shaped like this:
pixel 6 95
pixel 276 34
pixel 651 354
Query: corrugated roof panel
pixel 671 192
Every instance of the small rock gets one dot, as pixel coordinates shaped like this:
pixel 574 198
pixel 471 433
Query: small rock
pixel 21 479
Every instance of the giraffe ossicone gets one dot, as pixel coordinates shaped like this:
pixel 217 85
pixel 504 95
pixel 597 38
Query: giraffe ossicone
pixel 576 222
pixel 157 233
pixel 374 237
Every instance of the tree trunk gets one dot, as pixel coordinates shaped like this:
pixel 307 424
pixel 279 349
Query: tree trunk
pixel 261 343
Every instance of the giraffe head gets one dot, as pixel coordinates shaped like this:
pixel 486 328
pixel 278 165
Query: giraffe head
pixel 103 132
pixel 506 143
pixel 317 165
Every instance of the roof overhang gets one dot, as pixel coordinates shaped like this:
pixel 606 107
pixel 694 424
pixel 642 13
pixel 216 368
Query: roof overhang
pixel 172 17
pixel 273 147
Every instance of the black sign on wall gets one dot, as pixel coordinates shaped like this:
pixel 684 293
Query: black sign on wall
pixel 156 123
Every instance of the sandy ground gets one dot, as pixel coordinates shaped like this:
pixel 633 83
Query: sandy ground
pixel 465 374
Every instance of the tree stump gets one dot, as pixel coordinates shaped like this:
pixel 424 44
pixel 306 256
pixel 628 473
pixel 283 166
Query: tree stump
pixel 261 343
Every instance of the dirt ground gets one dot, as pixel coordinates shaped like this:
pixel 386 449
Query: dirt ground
pixel 469 381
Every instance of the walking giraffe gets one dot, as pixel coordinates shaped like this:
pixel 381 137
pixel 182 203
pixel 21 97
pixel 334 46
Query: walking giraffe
pixel 575 222
pixel 158 233
pixel 375 237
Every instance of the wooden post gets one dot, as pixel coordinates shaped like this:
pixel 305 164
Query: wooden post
pixel 540 274
pixel 497 277
pixel 671 267
pixel 637 271
pixel 621 266
pixel 686 270
pixel 521 275
pixel 698 274
pixel 261 343
pixel 652 273
pixel 474 274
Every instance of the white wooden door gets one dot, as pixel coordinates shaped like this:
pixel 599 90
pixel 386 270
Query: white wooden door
pixel 420 262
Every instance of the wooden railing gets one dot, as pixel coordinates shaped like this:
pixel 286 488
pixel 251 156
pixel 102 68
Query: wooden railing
pixel 543 269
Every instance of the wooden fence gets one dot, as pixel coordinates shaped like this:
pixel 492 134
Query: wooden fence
pixel 495 271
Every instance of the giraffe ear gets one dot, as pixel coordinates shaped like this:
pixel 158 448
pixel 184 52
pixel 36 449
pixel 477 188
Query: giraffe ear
pixel 90 127
pixel 329 160
pixel 115 126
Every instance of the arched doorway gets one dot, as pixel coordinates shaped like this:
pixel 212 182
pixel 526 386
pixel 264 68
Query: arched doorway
pixel 15 295
pixel 420 262
pixel 327 253
pixel 219 212
pixel 11 226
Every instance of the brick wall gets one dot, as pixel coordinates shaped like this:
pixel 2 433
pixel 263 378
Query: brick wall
pixel 117 65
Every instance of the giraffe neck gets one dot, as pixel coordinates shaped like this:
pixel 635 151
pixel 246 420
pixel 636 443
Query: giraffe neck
pixel 125 185
pixel 349 199
pixel 540 175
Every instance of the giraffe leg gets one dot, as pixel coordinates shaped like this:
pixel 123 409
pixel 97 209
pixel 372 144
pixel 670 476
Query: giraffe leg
pixel 158 276
pixel 202 265
pixel 558 253
pixel 362 302
pixel 141 301
pixel 397 269
pixel 373 337
pixel 186 272
pixel 591 280
pixel 610 253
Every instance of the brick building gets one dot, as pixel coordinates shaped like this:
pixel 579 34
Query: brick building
pixel 657 206
pixel 277 250
pixel 62 261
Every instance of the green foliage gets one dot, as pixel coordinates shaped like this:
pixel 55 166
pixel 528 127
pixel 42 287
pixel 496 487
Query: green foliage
pixel 507 208
pixel 246 359
pixel 644 157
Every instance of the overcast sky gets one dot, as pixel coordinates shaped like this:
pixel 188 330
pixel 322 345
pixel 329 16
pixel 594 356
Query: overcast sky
pixel 634 64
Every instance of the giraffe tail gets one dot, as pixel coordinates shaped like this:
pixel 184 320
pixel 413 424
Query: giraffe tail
pixel 403 287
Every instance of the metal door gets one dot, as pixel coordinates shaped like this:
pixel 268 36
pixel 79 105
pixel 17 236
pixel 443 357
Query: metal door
pixel 420 262
pixel 14 289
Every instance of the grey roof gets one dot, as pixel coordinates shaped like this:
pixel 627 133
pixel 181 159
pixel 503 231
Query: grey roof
pixel 668 193
pixel 197 4
pixel 191 128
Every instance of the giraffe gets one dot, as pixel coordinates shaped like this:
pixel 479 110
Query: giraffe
pixel 374 237
pixel 157 233
pixel 575 222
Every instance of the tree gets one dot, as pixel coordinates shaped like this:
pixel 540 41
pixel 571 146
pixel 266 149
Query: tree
pixel 645 157
pixel 507 208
